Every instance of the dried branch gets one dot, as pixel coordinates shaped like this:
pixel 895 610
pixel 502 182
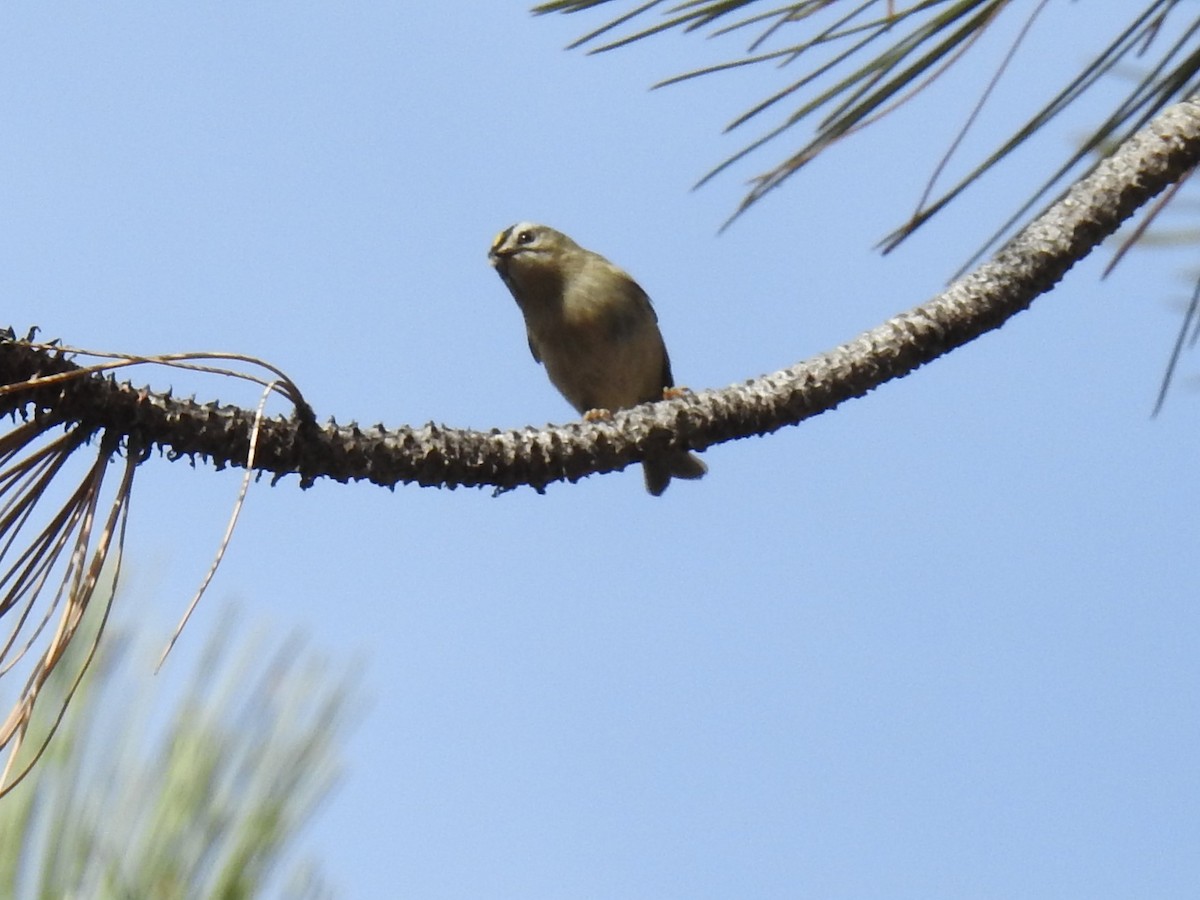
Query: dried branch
pixel 1028 266
pixel 42 584
pixel 66 406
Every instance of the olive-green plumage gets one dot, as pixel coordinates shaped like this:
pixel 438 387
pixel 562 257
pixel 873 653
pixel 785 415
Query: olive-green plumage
pixel 592 327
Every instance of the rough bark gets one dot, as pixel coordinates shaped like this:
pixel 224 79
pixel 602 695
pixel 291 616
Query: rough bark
pixel 1028 266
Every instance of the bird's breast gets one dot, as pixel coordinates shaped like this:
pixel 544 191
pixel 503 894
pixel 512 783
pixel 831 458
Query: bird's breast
pixel 597 367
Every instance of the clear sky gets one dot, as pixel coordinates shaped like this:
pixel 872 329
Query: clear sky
pixel 940 642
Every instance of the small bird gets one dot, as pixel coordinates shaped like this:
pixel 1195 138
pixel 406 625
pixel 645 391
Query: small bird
pixel 593 328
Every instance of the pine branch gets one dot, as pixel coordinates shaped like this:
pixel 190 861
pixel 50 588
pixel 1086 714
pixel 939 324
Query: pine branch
pixel 1027 267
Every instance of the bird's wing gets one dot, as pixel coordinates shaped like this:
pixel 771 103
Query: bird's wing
pixel 643 298
pixel 668 380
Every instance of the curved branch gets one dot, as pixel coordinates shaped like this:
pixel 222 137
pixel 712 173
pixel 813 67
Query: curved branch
pixel 1028 266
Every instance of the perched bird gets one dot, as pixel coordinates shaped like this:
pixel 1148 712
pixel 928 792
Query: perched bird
pixel 594 330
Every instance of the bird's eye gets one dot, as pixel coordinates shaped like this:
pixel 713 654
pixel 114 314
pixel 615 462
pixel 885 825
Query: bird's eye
pixel 525 237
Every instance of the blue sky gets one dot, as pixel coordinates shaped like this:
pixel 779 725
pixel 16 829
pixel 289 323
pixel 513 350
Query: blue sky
pixel 937 643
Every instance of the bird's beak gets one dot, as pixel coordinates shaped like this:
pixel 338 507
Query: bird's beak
pixel 495 254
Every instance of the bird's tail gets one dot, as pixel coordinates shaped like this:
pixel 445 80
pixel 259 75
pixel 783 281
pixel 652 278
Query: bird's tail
pixel 660 471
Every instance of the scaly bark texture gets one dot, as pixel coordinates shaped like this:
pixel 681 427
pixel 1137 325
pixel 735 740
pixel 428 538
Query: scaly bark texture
pixel 1027 267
